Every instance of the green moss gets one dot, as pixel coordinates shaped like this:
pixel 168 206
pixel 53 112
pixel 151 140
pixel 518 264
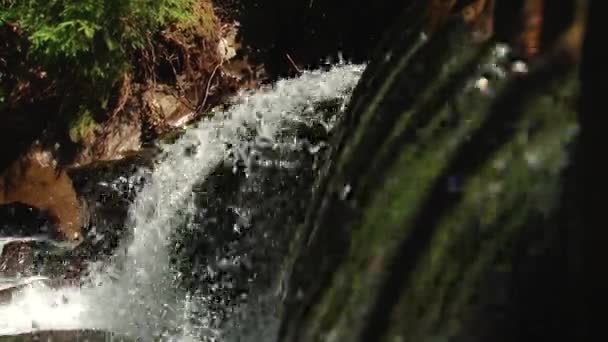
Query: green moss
pixel 82 126
pixel 469 239
pixel 517 178
pixel 406 186
pixel 202 22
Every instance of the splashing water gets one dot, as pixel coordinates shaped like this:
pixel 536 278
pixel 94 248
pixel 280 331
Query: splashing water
pixel 138 295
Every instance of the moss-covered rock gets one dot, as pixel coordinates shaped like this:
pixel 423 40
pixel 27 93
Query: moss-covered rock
pixel 446 199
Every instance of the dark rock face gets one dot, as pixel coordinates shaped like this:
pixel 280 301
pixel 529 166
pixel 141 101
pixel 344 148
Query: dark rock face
pixel 20 220
pixel 445 214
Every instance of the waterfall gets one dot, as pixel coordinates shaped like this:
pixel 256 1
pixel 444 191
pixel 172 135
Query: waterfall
pixel 139 295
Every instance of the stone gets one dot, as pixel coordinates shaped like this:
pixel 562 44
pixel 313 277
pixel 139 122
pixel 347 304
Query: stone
pixel 42 258
pixel 16 260
pixel 106 191
pixel 166 110
pixel 225 50
pixel 113 139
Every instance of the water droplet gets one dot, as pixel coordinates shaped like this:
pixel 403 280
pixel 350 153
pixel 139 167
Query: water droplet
pixel 533 159
pixel 482 84
pixel 519 67
pixel 423 37
pixel 388 56
pixel 345 192
pixel 501 50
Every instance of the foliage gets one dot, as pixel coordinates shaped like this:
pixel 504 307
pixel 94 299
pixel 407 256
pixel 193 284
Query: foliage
pixel 87 43
pixel 64 30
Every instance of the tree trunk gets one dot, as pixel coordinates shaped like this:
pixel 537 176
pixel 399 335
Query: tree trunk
pixel 444 213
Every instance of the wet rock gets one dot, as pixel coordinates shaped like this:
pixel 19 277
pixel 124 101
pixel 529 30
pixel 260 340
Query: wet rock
pixel 106 190
pixel 26 257
pixel 67 335
pixel 228 251
pixel 16 260
pixel 34 180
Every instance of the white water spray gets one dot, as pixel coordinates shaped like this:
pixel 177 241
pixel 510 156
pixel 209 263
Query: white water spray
pixel 140 298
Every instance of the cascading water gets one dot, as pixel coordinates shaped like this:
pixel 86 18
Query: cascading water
pixel 139 293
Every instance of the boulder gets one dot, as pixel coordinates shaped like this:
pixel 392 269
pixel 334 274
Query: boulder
pixel 116 137
pixel 34 181
pixel 446 212
pixel 16 260
pixel 41 257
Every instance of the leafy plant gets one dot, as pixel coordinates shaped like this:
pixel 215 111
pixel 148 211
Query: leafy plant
pixel 87 44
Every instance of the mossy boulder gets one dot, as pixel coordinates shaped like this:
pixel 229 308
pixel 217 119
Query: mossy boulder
pixel 444 214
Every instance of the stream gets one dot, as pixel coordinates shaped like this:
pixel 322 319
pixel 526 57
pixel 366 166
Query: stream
pixel 208 230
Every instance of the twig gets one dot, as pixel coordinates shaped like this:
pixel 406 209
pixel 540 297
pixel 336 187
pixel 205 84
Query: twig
pixel 293 64
pixel 182 98
pixel 123 94
pixel 150 67
pixel 202 106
